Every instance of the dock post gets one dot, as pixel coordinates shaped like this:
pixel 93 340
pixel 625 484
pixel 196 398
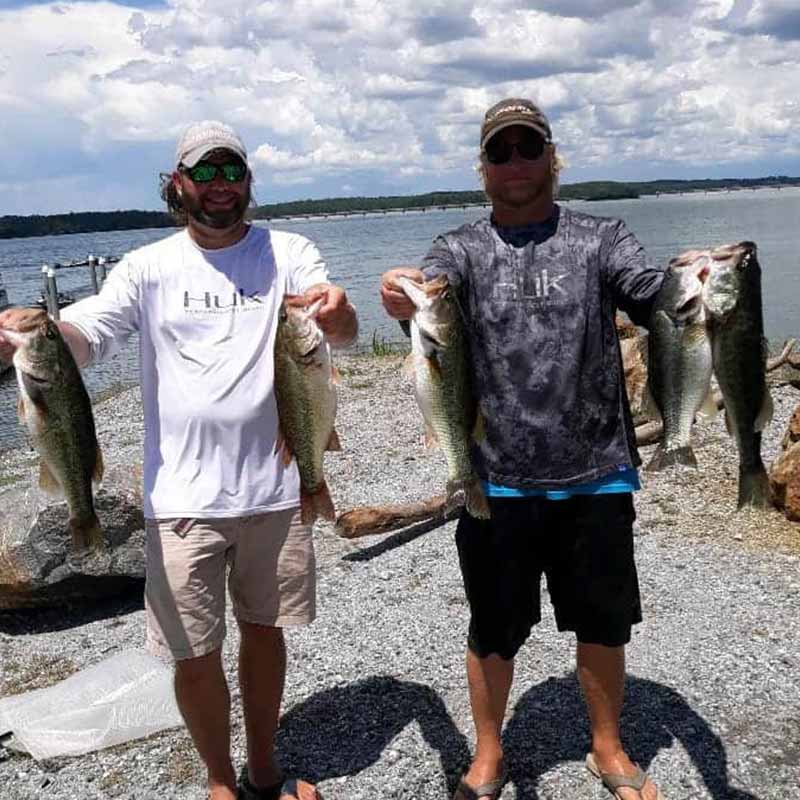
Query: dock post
pixel 52 294
pixel 92 261
pixel 45 287
pixel 103 272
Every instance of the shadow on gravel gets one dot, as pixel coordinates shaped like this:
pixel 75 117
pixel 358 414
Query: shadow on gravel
pixel 74 613
pixel 343 731
pixel 398 539
pixel 549 726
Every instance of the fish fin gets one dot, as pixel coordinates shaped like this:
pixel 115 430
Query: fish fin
pixel 282 448
pixel 649 406
pixel 666 458
pixel 333 441
pixel 47 481
pixel 99 467
pixel 754 489
pixel 708 409
pixel 336 376
pixel 316 504
pixel 87 534
pixel 479 430
pixel 765 414
pixel 431 439
pixel 409 370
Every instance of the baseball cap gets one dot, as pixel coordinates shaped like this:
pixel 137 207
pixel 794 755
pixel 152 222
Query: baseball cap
pixel 514 111
pixel 200 138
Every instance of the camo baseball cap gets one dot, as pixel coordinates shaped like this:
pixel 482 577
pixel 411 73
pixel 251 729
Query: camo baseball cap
pixel 514 111
pixel 200 138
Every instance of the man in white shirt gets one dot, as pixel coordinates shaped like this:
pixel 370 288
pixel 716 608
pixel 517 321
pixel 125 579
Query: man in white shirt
pixel 218 497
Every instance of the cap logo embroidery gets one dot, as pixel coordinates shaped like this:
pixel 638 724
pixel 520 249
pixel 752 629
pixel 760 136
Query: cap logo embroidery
pixel 513 109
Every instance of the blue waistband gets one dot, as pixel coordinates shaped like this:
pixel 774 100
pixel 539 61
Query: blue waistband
pixel 625 479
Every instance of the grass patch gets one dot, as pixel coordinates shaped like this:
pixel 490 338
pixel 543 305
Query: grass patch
pixel 382 347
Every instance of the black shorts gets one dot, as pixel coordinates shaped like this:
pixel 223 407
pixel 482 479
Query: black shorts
pixel 583 545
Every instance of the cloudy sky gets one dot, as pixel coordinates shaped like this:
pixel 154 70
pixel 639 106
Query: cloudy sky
pixel 370 97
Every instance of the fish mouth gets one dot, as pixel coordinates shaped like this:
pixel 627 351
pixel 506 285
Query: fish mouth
pixel 422 295
pixel 740 254
pixel 691 308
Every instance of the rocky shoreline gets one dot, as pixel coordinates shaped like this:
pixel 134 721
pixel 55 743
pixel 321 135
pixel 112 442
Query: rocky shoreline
pixel 376 702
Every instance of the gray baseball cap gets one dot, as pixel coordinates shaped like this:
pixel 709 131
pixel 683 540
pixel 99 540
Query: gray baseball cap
pixel 514 111
pixel 200 138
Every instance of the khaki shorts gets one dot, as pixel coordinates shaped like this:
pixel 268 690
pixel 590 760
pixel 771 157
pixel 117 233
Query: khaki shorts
pixel 270 565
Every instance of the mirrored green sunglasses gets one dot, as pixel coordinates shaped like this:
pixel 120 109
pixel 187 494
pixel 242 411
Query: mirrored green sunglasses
pixel 205 172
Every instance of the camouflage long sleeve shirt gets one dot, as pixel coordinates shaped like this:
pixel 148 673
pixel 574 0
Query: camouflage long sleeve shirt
pixel 546 360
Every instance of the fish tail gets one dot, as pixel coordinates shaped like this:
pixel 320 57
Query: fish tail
pixel 316 504
pixel 664 458
pixel 467 492
pixel 87 533
pixel 754 489
pixel 476 502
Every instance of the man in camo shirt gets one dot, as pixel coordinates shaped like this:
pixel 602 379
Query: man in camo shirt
pixel 539 285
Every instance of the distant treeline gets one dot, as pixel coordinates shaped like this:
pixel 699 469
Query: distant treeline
pixel 97 221
pixel 82 222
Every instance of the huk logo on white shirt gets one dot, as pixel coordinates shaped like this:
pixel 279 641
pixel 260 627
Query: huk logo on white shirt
pixel 208 303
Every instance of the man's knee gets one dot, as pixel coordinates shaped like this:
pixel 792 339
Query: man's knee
pixel 198 668
pixel 260 635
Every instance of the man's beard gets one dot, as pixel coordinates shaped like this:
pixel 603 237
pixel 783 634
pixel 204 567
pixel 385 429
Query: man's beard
pixel 221 218
pixel 518 197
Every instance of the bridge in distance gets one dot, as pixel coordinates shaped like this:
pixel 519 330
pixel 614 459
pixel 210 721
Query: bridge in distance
pixel 368 211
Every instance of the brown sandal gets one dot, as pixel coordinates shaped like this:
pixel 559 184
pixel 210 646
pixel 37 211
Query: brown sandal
pixel 492 789
pixel 616 782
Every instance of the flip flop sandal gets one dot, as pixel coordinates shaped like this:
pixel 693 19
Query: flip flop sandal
pixel 247 791
pixel 616 782
pixel 492 789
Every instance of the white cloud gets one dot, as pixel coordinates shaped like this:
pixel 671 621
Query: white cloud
pixel 369 94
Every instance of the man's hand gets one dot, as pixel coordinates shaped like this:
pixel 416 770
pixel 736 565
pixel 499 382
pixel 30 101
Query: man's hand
pixel 394 299
pixel 76 341
pixel 336 317
pixel 8 319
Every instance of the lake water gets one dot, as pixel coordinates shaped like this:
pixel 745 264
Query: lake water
pixel 357 249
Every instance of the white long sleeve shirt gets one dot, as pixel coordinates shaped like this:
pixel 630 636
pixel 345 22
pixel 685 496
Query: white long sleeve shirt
pixel 206 321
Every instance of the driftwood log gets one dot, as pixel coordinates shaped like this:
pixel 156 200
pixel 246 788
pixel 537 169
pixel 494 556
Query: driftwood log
pixel 370 520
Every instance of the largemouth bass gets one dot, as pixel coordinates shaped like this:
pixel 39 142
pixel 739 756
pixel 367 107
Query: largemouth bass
pixel 679 357
pixel 732 296
pixel 439 367
pixel 306 396
pixel 55 408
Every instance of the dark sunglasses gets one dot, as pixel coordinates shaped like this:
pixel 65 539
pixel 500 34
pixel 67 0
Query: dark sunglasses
pixel 499 151
pixel 205 172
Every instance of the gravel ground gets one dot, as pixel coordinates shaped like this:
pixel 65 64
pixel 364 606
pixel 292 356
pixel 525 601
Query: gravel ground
pixel 376 704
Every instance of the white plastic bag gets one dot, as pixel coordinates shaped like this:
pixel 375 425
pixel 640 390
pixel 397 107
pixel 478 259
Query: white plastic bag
pixel 125 697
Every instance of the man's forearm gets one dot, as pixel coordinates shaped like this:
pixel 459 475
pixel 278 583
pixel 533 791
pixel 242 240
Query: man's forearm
pixel 77 343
